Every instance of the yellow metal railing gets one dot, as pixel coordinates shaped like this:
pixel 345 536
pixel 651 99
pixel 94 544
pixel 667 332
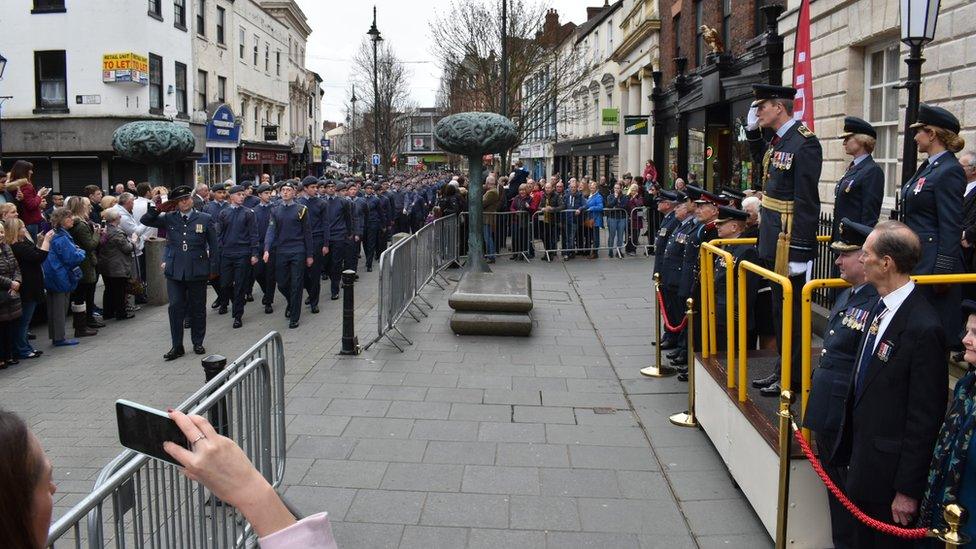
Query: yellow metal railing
pixel 786 345
pixel 708 301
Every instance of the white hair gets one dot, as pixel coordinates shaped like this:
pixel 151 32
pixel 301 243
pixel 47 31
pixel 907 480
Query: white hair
pixel 751 202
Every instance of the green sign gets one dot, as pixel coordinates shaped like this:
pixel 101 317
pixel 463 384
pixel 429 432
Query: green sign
pixel 610 117
pixel 635 125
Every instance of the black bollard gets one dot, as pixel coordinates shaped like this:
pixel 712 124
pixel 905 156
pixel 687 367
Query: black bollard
pixel 350 343
pixel 212 366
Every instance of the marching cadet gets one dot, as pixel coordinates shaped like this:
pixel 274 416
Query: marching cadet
pixel 316 214
pixel 858 194
pixel 730 224
pixel 831 379
pixel 373 225
pixel 329 188
pixel 289 237
pixel 264 270
pixel 216 204
pixel 358 222
pixel 237 234
pixel 790 168
pixel 674 254
pixel 340 237
pixel 190 258
pixel 667 202
pixel 250 198
pixel 385 206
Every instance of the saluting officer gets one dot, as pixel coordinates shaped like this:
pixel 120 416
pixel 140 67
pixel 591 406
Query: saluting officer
pixel 667 201
pixel 289 236
pixel 340 237
pixel 858 194
pixel 237 233
pixel 730 224
pixel 264 270
pixel 190 258
pixel 829 384
pixel 316 214
pixel 790 169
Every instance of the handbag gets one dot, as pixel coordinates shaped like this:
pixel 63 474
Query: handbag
pixel 589 223
pixel 134 286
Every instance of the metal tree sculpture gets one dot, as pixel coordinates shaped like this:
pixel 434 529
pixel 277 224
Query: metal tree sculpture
pixel 156 143
pixel 475 134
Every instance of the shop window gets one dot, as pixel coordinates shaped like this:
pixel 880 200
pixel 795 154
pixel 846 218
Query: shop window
pixel 881 66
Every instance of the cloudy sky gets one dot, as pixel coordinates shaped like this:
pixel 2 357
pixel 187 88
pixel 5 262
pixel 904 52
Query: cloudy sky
pixel 340 25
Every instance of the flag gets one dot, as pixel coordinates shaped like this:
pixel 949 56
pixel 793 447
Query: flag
pixel 802 68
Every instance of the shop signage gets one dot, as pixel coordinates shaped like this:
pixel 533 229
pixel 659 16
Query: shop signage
pixel 125 67
pixel 316 154
pixel 411 161
pixel 635 125
pixel 270 133
pixel 538 151
pixel 376 160
pixel 223 127
pixel 251 156
pixel 610 117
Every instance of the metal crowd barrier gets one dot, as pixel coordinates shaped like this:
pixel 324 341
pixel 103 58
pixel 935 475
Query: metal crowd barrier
pixel 406 268
pixel 149 502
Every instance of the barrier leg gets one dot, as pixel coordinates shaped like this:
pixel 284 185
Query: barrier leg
pixel 658 370
pixel 785 437
pixel 687 419
pixel 212 366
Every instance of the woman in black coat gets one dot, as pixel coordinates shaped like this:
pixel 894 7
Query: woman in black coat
pixel 29 257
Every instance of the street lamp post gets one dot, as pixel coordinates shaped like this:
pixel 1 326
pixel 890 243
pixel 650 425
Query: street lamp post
pixel 3 67
pixel 374 35
pixel 352 140
pixel 918 18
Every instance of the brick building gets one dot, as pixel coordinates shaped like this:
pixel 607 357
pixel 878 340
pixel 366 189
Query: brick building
pixel 701 98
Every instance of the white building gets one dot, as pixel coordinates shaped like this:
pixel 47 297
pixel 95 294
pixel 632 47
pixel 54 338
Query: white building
pixel 637 54
pixel 76 72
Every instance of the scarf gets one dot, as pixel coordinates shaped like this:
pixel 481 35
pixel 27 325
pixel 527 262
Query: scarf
pixel 949 456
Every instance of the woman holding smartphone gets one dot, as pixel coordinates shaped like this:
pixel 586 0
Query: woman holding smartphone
pixel 27 488
pixel 20 184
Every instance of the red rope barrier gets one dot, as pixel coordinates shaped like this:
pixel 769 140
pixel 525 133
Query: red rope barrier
pixel 884 527
pixel 664 315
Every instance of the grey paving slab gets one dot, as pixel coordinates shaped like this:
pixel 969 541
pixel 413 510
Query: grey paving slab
pixel 423 476
pixel 623 457
pixel 591 540
pixel 544 513
pixel 345 474
pixel 543 414
pixel 430 429
pixel 319 447
pixel 473 453
pixel 472 510
pixel 433 537
pixel 579 483
pixel 315 499
pixel 419 410
pixel 379 449
pixel 629 516
pixel 360 535
pixel 486 479
pixel 512 432
pixel 532 455
pixel 396 507
pixel 492 539
pixel 481 412
pixel 379 427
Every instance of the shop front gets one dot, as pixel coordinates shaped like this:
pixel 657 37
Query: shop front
pixel 594 157
pixel 219 162
pixel 533 159
pixel 261 158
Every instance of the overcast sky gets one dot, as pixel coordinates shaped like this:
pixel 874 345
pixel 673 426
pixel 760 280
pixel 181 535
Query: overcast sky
pixel 340 25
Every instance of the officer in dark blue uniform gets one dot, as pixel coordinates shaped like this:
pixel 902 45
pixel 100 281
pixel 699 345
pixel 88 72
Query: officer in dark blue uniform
pixel 730 224
pixel 190 258
pixel 237 233
pixel 790 166
pixel 264 270
pixel 858 194
pixel 667 201
pixel 289 237
pixel 932 207
pixel 385 209
pixel 829 384
pixel 316 214
pixel 671 268
pixel 372 226
pixel 213 207
pixel 340 237
pixel 359 211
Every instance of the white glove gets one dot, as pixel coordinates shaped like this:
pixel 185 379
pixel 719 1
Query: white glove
pixel 752 119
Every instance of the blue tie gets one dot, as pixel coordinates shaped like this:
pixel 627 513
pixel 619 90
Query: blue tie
pixel 877 313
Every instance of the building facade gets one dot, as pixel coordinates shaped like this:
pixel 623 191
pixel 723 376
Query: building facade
pixel 858 58
pixel 419 151
pixel 637 55
pixel 70 90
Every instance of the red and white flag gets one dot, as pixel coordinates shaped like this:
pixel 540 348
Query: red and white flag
pixel 803 68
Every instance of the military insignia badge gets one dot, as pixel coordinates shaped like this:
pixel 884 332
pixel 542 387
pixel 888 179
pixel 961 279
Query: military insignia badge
pixel 199 228
pixel 663 232
pixel 919 184
pixel 884 351
pixel 804 131
pixel 850 184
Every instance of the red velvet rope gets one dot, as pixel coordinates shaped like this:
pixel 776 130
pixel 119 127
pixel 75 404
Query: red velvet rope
pixel 664 315
pixel 884 527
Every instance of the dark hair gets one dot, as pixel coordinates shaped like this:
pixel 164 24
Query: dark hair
pixel 19 170
pixel 142 189
pixel 92 189
pixel 20 472
pixel 898 242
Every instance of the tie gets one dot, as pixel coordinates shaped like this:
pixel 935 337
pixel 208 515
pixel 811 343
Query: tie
pixel 850 166
pixel 878 313
pixel 775 140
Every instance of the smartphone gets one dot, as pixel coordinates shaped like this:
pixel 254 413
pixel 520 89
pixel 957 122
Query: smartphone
pixel 145 429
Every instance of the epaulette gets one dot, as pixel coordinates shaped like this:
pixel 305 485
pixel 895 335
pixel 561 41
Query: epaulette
pixel 804 131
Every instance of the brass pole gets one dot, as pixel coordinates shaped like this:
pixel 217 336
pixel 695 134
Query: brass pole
pixel 687 419
pixel 785 437
pixel 658 370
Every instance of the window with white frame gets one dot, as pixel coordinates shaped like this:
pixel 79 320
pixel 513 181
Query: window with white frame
pixel 881 64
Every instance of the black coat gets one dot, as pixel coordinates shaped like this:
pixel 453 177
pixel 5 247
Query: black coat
pixel 30 258
pixel 932 207
pixel 889 430
pixel 740 252
pixel 858 195
pixel 831 378
pixel 969 228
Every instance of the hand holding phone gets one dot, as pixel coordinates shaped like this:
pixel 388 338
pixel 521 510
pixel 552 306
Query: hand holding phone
pixel 145 430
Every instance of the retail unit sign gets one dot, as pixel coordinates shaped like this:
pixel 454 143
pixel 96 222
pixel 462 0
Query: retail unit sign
pixel 316 154
pixel 125 67
pixel 610 117
pixel 263 157
pixel 635 125
pixel 223 127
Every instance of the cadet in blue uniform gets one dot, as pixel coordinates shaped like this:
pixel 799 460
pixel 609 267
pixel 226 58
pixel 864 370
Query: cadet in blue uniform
pixel 316 214
pixel 213 207
pixel 858 194
pixel 251 200
pixel 190 258
pixel 932 207
pixel 372 226
pixel 730 224
pixel 385 209
pixel 264 270
pixel 358 222
pixel 846 324
pixel 667 202
pixel 790 167
pixel 237 233
pixel 339 237
pixel 289 237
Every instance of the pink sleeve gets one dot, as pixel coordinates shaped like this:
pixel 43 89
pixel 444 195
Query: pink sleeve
pixel 314 532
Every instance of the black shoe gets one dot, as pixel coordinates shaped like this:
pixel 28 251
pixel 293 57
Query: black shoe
pixel 673 354
pixel 31 337
pixel 668 345
pixel 772 390
pixel 357 277
pixel 174 353
pixel 681 359
pixel 293 324
pixel 94 323
pixel 315 310
pixel 369 269
pixel 308 300
pixel 198 349
pixel 681 369
pixel 248 298
pixel 125 316
pixel 237 323
pixel 141 300
pixel 334 297
pixel 766 381
pixel 268 309
pixel 222 310
pixel 215 304
pixel 683 377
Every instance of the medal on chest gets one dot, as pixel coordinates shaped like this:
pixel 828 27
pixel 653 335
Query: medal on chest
pixel 918 185
pixel 884 351
pixel 848 186
pixel 782 160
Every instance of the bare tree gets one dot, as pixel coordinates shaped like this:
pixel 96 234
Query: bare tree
pixel 542 72
pixel 391 114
